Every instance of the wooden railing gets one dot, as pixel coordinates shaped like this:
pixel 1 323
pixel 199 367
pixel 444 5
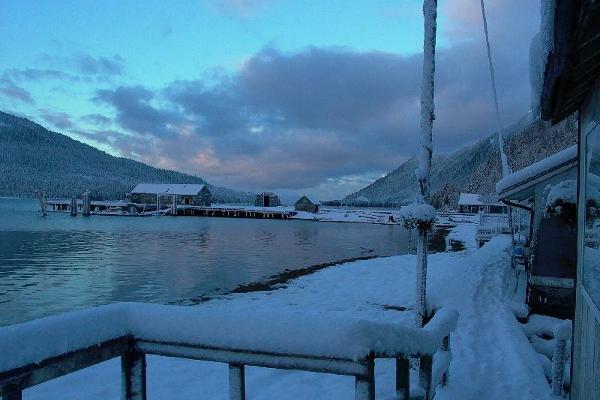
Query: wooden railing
pixel 132 351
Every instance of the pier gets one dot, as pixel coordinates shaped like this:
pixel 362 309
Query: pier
pixel 122 208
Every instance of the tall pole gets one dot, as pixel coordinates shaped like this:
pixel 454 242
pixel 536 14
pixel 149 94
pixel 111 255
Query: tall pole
pixel 424 170
pixel 505 167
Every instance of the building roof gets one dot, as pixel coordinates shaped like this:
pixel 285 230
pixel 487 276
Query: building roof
pixel 180 189
pixel 524 180
pixel 470 199
pixel 573 56
pixel 304 200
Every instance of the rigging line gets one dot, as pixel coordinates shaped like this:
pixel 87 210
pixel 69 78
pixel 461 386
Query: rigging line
pixel 505 167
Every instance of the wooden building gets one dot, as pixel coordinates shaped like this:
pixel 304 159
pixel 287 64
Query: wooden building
pixel 550 245
pixel 167 193
pixel 572 83
pixel 305 204
pixel 267 199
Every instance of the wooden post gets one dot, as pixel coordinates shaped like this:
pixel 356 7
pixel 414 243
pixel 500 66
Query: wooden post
pixel 17 395
pixel 237 382
pixel 425 369
pixel 558 366
pixel 87 206
pixel 133 376
pixel 446 373
pixel 365 385
pixel 402 378
pixel 74 206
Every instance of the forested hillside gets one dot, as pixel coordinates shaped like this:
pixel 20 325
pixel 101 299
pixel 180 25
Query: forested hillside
pixel 34 158
pixel 474 169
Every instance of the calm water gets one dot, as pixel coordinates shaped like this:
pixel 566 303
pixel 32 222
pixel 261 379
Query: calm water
pixel 59 262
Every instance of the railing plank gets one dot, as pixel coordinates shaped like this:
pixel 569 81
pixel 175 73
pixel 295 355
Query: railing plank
pixel 34 374
pixel 133 376
pixel 237 382
pixel 365 385
pixel 256 359
pixel 445 347
pixel 425 369
pixel 402 378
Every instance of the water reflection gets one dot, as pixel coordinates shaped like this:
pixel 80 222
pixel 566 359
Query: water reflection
pixel 58 263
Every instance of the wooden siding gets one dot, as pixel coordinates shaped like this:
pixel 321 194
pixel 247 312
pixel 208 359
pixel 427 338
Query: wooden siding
pixel 585 382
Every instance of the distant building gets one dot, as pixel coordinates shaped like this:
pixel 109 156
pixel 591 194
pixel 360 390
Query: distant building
pixel 305 204
pixel 471 203
pixel 267 199
pixel 163 193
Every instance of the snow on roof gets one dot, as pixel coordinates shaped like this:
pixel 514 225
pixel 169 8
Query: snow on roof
pixel 181 189
pixel 470 199
pixel 538 169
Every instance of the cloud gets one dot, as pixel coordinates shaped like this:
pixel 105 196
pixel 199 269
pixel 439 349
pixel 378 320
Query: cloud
pixel 38 74
pixel 13 92
pixel 98 66
pixel 59 119
pixel 301 120
pixel 96 119
pixel 241 9
pixel 136 113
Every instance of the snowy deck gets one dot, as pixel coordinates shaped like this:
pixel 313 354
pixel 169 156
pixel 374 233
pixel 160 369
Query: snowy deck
pixel 44 349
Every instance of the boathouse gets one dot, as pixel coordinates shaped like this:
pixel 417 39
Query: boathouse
pixel 267 199
pixel 164 193
pixel 550 244
pixel 305 204
pixel 572 83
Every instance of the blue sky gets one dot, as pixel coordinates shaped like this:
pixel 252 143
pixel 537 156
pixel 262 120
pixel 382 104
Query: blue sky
pixel 295 96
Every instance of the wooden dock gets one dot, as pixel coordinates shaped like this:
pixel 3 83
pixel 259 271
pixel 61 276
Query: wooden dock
pixel 121 208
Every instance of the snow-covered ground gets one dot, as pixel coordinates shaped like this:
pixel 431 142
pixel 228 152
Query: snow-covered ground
pixel 492 356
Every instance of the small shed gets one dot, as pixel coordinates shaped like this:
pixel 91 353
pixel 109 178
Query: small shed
pixel 469 203
pixel 472 203
pixel 267 199
pixel 164 193
pixel 305 204
pixel 551 243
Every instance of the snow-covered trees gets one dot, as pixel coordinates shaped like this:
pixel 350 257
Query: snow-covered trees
pixel 33 158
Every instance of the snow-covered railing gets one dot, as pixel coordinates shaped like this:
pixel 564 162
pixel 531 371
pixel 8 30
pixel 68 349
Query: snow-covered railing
pixel 47 348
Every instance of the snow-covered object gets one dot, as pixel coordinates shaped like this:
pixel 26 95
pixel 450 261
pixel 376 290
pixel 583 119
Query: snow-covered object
pixel 562 330
pixel 561 193
pixel 418 215
pixel 470 199
pixel 539 168
pixel 423 172
pixel 562 333
pixel 324 335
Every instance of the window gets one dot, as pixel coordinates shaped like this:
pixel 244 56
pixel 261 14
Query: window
pixel 591 256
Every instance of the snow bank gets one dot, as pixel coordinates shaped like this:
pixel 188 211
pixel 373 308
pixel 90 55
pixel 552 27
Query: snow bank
pixel 262 331
pixel 539 168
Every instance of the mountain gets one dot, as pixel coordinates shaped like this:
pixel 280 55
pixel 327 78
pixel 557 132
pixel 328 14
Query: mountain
pixel 34 158
pixel 475 168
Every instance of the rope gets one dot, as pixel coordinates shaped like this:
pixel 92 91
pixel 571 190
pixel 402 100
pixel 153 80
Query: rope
pixel 505 167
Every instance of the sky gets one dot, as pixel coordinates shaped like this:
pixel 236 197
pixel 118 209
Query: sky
pixel 297 97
